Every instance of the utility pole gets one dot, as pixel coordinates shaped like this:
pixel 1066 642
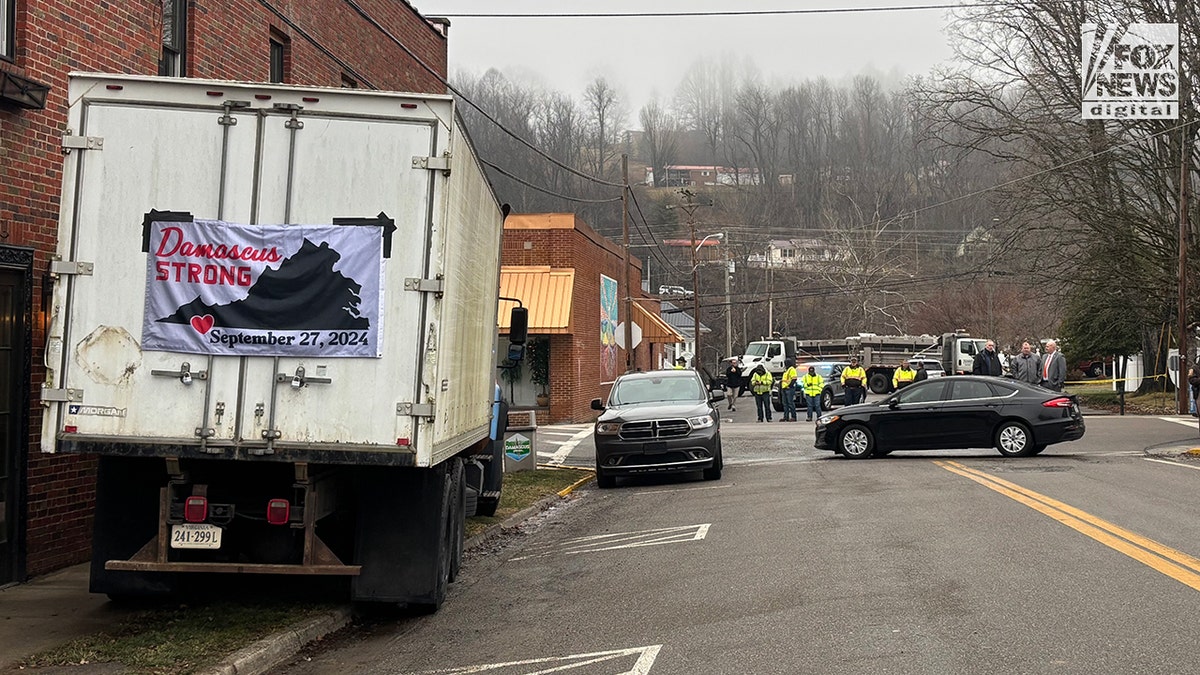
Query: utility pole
pixel 689 207
pixel 1184 183
pixel 728 309
pixel 629 356
pixel 770 300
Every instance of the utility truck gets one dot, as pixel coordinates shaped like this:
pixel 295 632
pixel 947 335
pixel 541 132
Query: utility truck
pixel 273 318
pixel 879 355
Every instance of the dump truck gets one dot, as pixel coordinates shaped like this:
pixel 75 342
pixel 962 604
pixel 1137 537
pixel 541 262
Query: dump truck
pixel 272 316
pixel 879 355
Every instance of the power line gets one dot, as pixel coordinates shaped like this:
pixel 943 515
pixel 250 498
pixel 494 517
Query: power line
pixel 429 69
pixel 552 193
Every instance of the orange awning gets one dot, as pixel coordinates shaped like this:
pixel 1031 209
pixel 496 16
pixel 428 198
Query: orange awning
pixel 654 329
pixel 545 291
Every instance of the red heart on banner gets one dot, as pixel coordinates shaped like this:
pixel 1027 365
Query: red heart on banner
pixel 202 324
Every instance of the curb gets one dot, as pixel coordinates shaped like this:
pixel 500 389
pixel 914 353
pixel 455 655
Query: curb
pixel 520 516
pixel 273 650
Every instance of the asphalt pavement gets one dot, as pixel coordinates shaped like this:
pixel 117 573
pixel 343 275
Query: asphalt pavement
pixel 56 608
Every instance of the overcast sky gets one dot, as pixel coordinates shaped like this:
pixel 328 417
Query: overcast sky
pixel 644 55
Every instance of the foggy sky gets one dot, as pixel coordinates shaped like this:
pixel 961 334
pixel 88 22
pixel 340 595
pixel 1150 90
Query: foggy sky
pixel 648 56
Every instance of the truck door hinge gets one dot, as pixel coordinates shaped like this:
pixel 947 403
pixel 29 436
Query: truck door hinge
pixel 424 285
pixel 61 395
pixel 416 409
pixel 433 163
pixel 70 143
pixel 71 267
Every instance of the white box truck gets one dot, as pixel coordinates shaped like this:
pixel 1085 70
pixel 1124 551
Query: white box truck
pixel 273 318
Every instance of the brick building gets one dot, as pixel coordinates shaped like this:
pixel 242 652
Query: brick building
pixel 45 500
pixel 572 280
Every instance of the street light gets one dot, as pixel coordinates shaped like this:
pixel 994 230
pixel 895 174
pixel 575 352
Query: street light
pixel 696 292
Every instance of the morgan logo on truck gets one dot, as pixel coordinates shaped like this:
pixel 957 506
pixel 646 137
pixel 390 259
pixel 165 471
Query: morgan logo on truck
pixel 214 287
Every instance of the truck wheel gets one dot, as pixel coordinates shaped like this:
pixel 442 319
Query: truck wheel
pixel 879 383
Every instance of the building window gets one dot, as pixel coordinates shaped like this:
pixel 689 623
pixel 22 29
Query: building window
pixel 349 82
pixel 174 37
pixel 8 19
pixel 277 51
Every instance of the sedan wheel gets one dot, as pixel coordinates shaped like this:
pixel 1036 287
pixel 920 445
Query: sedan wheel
pixel 856 442
pixel 1013 440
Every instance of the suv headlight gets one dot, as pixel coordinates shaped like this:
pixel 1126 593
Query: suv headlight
pixel 702 422
pixel 828 419
pixel 608 428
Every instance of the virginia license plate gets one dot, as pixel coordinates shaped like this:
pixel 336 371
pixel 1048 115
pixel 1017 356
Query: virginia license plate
pixel 195 535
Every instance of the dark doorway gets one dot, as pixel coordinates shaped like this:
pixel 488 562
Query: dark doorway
pixel 14 411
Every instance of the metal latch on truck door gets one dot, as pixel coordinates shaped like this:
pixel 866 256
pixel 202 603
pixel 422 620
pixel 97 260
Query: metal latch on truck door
pixel 70 143
pixel 299 379
pixel 424 285
pixel 433 163
pixel 184 374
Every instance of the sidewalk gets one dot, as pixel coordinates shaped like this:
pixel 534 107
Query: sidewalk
pixel 51 610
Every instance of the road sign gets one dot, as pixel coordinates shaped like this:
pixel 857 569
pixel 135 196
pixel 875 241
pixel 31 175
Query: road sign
pixel 637 335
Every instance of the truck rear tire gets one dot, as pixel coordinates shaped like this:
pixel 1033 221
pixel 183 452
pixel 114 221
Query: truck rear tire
pixel 879 383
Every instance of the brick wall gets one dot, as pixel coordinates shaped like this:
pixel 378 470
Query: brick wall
pixel 227 39
pixel 575 377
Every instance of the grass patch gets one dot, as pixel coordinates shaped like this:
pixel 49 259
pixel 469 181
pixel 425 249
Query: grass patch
pixel 1153 403
pixel 178 639
pixel 523 489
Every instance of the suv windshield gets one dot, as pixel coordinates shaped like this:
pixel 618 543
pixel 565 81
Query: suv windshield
pixel 654 389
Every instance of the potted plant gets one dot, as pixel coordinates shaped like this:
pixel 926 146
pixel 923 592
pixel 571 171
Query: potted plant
pixel 539 368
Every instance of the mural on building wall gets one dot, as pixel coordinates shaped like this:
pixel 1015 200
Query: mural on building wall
pixel 608 329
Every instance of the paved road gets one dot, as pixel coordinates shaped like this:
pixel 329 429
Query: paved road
pixel 1080 560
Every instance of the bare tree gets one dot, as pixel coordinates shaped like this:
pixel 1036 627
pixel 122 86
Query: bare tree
pixel 605 118
pixel 660 137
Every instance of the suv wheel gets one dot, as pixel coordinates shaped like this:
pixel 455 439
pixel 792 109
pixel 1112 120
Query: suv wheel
pixel 714 473
pixel 826 399
pixel 605 481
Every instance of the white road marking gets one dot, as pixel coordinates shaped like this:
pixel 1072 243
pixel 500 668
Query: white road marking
pixel 611 542
pixel 771 460
pixel 645 661
pixel 1185 421
pixel 691 489
pixel 1167 461
pixel 557 458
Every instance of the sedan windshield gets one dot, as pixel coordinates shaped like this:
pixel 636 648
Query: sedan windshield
pixel 656 389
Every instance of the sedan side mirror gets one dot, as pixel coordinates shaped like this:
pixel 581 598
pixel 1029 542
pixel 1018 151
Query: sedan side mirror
pixel 893 403
pixel 597 404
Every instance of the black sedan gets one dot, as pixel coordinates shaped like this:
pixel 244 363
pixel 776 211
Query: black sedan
pixel 955 412
pixel 661 421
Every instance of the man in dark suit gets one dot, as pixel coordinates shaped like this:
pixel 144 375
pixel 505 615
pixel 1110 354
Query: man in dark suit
pixel 1053 367
pixel 987 362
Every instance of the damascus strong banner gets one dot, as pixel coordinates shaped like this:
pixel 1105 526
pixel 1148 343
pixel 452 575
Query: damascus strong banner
pixel 230 289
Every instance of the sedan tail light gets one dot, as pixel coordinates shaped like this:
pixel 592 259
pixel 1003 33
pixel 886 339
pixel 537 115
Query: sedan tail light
pixel 1060 402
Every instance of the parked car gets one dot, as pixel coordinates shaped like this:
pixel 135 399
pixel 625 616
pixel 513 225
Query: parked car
pixel 958 411
pixel 933 367
pixel 832 394
pixel 661 421
pixel 1095 367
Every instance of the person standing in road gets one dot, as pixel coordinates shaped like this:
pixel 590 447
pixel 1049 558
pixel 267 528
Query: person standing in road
pixel 1053 367
pixel 1025 366
pixel 787 391
pixel 853 380
pixel 1193 378
pixel 680 363
pixel 760 386
pixel 903 376
pixel 812 385
pixel 987 362
pixel 922 374
pixel 733 382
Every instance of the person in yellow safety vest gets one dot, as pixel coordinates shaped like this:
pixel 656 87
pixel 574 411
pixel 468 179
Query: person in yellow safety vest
pixel 813 384
pixel 787 391
pixel 760 386
pixel 680 363
pixel 853 379
pixel 903 376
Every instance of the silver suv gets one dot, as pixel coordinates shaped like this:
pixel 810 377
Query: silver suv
pixel 662 421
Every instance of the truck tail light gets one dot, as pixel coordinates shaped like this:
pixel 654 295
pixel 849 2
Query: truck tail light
pixel 1060 402
pixel 278 511
pixel 195 509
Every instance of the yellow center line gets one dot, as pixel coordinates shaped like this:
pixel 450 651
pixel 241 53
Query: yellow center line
pixel 1144 550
